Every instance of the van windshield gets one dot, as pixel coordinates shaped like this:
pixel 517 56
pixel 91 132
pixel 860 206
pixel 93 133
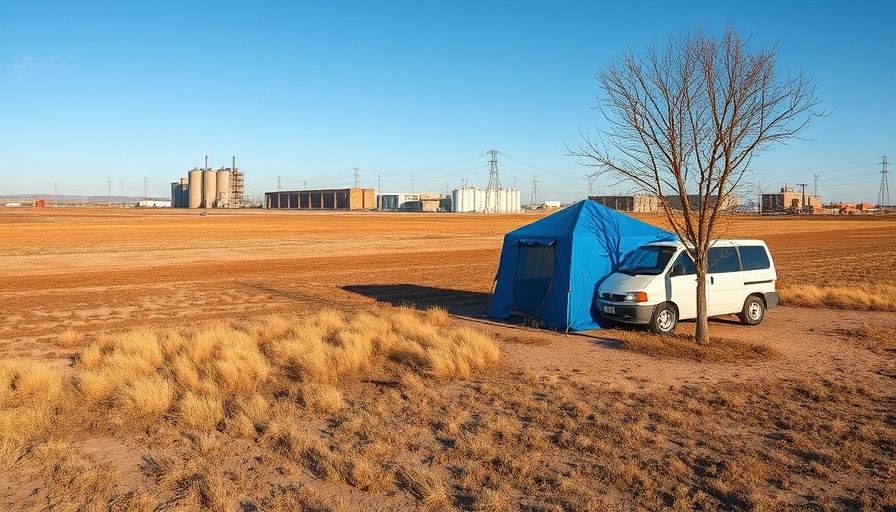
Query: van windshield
pixel 647 260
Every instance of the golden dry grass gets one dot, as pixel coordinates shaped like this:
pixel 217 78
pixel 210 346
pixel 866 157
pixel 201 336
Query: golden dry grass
pixel 852 296
pixel 682 346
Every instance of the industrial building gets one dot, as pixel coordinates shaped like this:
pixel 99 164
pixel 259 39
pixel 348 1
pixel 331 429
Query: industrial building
pixel 328 199
pixel 635 203
pixel 207 188
pixel 649 203
pixel 791 201
pixel 412 202
pixel 497 200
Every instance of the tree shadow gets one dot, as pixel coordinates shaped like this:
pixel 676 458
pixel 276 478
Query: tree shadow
pixel 455 302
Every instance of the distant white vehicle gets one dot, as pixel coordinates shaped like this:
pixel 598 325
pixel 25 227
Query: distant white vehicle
pixel 551 204
pixel 13 205
pixel 656 284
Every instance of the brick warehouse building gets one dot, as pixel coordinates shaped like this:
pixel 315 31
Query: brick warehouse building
pixel 328 199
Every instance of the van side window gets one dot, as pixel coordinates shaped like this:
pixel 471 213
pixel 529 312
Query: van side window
pixel 723 259
pixel 685 261
pixel 754 257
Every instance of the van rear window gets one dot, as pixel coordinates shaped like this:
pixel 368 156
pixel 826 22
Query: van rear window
pixel 754 257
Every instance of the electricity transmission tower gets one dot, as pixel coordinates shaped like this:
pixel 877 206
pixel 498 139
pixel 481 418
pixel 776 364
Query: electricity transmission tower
pixel 883 197
pixel 357 178
pixel 494 184
pixel 533 200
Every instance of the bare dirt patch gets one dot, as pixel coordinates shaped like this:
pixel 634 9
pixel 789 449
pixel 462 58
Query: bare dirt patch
pixel 565 422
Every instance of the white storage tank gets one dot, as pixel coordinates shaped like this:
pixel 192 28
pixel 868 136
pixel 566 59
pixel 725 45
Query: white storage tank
pixel 209 188
pixel 194 188
pixel 223 186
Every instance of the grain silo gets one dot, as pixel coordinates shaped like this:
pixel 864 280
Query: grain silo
pixel 222 178
pixel 194 188
pixel 209 188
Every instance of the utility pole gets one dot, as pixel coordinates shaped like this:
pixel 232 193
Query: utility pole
pixel 145 194
pixel 357 178
pixel 379 184
pixel 816 186
pixel 803 199
pixel 278 183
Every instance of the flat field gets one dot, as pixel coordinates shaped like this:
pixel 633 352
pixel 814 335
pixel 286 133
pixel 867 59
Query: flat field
pixel 796 412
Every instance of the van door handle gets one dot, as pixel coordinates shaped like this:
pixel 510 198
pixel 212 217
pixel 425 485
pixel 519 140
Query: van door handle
pixel 712 280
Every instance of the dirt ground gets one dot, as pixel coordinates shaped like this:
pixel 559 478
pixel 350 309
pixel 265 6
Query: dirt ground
pixel 102 270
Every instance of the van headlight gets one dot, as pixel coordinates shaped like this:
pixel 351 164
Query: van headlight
pixel 635 297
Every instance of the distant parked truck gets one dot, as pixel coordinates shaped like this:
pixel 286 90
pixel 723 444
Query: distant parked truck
pixel 657 286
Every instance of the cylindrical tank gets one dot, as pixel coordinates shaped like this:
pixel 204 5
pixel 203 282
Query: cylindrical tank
pixel 194 188
pixel 479 200
pixel 209 188
pixel 223 184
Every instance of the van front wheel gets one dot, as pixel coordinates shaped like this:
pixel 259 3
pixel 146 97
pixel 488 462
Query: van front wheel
pixel 753 312
pixel 664 318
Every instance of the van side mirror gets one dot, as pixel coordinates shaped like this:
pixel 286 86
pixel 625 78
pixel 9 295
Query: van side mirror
pixel 677 270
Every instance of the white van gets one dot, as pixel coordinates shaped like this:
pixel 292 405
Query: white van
pixel 656 284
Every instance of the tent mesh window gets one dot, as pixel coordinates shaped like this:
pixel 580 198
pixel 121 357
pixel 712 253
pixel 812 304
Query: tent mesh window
pixel 533 277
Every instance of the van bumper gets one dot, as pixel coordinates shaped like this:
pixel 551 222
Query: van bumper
pixel 771 300
pixel 624 311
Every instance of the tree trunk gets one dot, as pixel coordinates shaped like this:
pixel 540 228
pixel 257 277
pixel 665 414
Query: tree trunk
pixel 701 330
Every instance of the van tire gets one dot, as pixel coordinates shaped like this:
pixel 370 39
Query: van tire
pixel 753 311
pixel 664 318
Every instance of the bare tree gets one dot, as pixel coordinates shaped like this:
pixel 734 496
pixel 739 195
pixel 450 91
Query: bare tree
pixel 686 120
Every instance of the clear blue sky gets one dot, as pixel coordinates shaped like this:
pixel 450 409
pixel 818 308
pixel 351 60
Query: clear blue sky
pixel 412 93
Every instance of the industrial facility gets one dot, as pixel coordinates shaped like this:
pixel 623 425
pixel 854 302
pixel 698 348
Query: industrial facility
pixel 791 201
pixel 329 199
pixel 412 202
pixel 648 203
pixel 491 200
pixel 207 188
pixel 635 203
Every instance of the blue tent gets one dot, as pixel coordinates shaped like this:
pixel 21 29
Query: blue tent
pixel 549 269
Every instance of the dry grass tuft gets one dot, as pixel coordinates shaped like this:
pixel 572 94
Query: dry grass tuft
pixel 199 412
pixel 427 488
pixel 853 296
pixel 70 338
pixel 320 398
pixel 78 482
pixel 682 346
pixel 531 339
